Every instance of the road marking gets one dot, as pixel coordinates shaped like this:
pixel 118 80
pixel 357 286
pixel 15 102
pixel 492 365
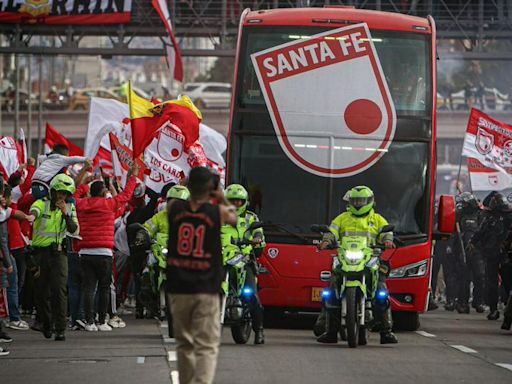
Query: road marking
pixel 504 365
pixel 426 334
pixel 174 377
pixel 141 360
pixel 171 356
pixel 164 325
pixel 169 340
pixel 463 348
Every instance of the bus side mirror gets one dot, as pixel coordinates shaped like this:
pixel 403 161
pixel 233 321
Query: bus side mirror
pixel 446 214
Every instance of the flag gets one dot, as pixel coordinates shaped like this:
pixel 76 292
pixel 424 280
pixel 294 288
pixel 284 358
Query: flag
pixel 487 179
pixel 105 116
pixel 22 147
pixel 53 137
pixel 147 118
pixel 489 141
pixel 122 159
pixel 9 161
pixel 173 50
pixel 214 144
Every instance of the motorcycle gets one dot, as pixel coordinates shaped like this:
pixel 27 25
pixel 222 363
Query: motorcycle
pixel 357 263
pixel 236 296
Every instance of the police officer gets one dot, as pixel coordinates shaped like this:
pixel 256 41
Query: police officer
pixel 159 223
pixel 360 218
pixel 55 216
pixel 158 229
pixel 239 197
pixel 470 263
pixel 488 239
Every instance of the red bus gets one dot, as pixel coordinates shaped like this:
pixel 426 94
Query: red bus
pixel 291 197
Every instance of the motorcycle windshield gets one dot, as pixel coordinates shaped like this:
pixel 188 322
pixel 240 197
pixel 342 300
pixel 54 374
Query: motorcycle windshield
pixel 354 243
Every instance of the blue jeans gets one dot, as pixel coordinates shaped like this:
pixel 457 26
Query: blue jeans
pixel 12 292
pixel 75 293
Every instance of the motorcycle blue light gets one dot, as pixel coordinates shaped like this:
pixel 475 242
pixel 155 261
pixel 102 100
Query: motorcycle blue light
pixel 382 294
pixel 326 293
pixel 247 291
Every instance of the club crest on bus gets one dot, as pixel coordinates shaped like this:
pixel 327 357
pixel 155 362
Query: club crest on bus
pixel 170 143
pixel 329 101
pixel 484 141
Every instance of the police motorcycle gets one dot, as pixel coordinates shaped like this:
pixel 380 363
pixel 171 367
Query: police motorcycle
pixel 156 265
pixel 236 296
pixel 357 263
pixel 148 262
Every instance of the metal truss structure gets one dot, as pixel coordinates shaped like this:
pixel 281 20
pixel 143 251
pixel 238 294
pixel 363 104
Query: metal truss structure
pixel 471 23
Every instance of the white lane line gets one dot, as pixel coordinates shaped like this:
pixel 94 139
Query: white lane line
pixel 171 356
pixel 174 377
pixel 164 325
pixel 426 334
pixel 141 360
pixel 463 348
pixel 169 340
pixel 504 365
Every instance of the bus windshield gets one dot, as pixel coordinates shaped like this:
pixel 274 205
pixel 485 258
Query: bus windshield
pixel 283 193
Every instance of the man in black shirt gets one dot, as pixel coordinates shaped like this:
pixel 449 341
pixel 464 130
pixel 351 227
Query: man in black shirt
pixel 194 275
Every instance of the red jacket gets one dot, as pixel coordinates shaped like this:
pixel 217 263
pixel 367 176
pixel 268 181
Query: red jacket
pixel 14 227
pixel 96 216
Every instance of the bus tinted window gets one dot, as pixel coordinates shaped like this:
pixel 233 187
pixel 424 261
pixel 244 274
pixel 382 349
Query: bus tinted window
pixel 404 58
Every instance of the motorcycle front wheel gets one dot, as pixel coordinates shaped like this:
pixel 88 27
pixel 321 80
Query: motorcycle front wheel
pixel 352 319
pixel 242 332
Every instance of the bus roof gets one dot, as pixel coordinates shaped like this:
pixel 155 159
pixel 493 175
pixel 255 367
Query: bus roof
pixel 337 17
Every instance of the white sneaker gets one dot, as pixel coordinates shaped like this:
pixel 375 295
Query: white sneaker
pixel 104 327
pixel 116 322
pixel 20 325
pixel 91 328
pixel 113 322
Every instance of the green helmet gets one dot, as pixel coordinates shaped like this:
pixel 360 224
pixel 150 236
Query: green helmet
pixel 178 192
pixel 360 200
pixel 238 192
pixel 63 182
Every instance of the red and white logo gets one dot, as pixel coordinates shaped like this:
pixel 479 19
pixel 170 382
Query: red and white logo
pixel 170 143
pixel 493 179
pixel 484 141
pixel 329 101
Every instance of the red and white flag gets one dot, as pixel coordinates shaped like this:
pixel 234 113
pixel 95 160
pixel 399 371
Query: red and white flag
pixel 489 141
pixel 53 137
pixel 173 50
pixel 487 179
pixel 9 160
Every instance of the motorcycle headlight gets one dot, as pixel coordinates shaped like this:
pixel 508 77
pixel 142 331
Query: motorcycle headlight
pixel 411 270
pixel 354 256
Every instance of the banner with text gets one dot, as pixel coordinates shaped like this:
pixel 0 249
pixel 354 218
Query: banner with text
pixel 65 11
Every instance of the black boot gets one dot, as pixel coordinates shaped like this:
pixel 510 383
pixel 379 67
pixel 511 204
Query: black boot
pixel 259 337
pixel 449 306
pixel 330 336
pixel 47 333
pixel 432 306
pixel 139 313
pixel 462 308
pixel 494 315
pixel 507 323
pixel 59 336
pixel 480 308
pixel 388 337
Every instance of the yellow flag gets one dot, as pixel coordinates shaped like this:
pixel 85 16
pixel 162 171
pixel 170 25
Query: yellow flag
pixel 139 107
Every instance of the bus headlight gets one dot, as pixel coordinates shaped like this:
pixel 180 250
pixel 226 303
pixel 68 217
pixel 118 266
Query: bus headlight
pixel 411 270
pixel 354 257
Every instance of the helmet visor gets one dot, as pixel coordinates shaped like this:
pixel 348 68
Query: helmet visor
pixel 359 202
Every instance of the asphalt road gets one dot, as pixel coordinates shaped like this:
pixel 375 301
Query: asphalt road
pixel 449 348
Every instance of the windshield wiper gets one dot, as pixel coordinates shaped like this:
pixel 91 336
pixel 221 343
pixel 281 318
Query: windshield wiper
pixel 284 229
